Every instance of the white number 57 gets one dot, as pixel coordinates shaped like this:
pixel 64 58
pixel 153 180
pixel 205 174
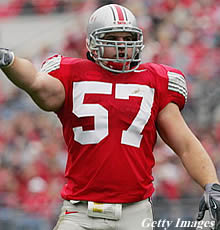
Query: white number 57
pixel 132 136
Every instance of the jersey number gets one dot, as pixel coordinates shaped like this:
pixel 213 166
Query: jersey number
pixel 132 136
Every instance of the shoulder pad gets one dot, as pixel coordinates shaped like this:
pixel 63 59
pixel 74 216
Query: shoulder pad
pixel 175 78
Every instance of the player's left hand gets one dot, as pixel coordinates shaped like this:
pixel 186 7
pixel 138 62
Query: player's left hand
pixel 211 201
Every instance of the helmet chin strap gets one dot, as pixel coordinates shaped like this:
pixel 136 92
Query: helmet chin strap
pixel 118 66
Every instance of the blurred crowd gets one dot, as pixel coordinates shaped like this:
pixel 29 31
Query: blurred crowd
pixel 182 33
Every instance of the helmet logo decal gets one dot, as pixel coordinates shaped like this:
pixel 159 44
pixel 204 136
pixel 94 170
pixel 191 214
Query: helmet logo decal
pixel 119 14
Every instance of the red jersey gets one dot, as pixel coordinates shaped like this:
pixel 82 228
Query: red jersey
pixel 109 126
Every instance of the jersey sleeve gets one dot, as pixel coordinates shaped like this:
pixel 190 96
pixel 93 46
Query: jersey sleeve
pixel 52 66
pixel 58 67
pixel 177 89
pixel 172 86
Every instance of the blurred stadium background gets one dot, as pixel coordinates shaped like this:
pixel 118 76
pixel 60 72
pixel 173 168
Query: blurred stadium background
pixel 181 33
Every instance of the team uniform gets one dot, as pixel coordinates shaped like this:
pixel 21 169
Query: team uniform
pixel 109 126
pixel 109 118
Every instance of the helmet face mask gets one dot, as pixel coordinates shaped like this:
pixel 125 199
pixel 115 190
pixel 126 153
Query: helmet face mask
pixel 104 21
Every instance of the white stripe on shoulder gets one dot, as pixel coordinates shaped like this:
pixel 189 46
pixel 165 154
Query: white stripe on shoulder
pixel 51 64
pixel 177 83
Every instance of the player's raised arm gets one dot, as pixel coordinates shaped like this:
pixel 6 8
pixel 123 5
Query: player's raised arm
pixel 47 92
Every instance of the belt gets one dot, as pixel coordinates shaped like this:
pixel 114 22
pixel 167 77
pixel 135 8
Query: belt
pixel 86 202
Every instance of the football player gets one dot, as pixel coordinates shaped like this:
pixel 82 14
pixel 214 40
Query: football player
pixel 111 106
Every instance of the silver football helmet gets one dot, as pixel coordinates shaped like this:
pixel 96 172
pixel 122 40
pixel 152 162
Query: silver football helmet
pixel 114 18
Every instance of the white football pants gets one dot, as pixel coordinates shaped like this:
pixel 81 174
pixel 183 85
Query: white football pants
pixel 134 217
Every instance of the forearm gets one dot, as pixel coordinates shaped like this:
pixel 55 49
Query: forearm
pixel 22 73
pixel 198 164
pixel 175 132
